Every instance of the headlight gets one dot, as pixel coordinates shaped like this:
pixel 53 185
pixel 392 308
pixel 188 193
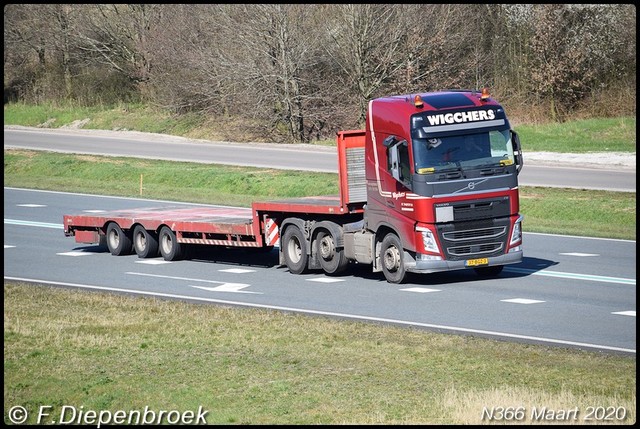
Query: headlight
pixel 429 240
pixel 516 235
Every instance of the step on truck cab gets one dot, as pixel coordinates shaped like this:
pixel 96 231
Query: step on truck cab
pixel 430 184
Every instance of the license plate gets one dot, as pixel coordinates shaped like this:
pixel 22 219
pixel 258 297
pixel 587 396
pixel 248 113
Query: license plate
pixel 477 262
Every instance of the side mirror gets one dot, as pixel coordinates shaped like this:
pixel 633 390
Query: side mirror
pixel 389 141
pixel 517 150
pixel 398 158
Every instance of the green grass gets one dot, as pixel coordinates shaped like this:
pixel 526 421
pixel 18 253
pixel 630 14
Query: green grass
pixel 577 136
pixel 553 210
pixel 268 367
pixel 580 136
pixel 179 181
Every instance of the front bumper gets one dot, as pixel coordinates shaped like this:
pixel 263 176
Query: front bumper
pixel 419 265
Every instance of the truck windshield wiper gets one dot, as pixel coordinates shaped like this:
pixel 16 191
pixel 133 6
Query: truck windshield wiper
pixel 450 167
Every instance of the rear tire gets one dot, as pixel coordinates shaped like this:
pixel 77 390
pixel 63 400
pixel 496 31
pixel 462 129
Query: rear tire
pixel 332 260
pixel 294 248
pixel 170 249
pixel 118 242
pixel 145 243
pixel 391 255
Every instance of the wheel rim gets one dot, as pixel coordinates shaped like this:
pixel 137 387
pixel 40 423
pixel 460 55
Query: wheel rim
pixel 327 248
pixel 392 259
pixel 294 250
pixel 114 239
pixel 166 244
pixel 141 241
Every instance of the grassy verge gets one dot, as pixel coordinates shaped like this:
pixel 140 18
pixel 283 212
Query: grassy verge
pixel 267 367
pixel 590 135
pixel 561 211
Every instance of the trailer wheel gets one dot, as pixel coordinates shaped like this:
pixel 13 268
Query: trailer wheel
pixel 118 242
pixel 332 260
pixel 489 271
pixel 392 262
pixel 295 250
pixel 170 249
pixel 145 243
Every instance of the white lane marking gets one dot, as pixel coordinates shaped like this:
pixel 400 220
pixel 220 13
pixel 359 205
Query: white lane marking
pixel 39 224
pixel 237 271
pixel 580 254
pixel 332 314
pixel 31 205
pixel 6 246
pixel 522 301
pixel 189 279
pixel 228 287
pixel 626 313
pixel 224 286
pixel 153 262
pixel 420 290
pixel 75 253
pixel 325 280
pixel 574 276
pixel 94 211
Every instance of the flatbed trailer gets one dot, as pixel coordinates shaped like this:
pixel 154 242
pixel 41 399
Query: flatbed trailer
pixel 430 184
pixel 164 230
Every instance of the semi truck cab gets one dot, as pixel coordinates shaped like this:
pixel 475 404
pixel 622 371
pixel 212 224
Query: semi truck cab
pixel 442 185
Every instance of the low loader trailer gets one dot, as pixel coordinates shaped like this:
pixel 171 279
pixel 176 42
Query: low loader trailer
pixel 429 185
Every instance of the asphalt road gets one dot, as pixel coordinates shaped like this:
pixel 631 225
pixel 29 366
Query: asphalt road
pixel 568 291
pixel 297 157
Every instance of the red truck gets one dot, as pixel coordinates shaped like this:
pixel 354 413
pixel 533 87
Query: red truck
pixel 430 185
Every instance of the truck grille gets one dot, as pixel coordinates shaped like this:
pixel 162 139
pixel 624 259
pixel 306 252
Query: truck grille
pixel 474 239
pixel 474 234
pixel 466 251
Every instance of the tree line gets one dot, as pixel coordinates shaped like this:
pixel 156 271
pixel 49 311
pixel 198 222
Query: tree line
pixel 299 72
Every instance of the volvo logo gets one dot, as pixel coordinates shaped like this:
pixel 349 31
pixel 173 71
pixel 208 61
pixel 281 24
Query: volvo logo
pixel 471 185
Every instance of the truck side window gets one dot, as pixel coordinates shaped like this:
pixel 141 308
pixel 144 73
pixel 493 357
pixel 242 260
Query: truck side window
pixel 403 160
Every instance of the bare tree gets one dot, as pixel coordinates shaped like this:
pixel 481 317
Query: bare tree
pixel 367 41
pixel 119 35
pixel 268 53
pixel 572 52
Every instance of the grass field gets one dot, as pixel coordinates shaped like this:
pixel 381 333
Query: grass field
pixel 110 352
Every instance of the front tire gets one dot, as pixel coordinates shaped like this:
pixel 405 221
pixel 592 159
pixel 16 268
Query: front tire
pixel 391 257
pixel 295 250
pixel 145 243
pixel 118 242
pixel 332 260
pixel 170 249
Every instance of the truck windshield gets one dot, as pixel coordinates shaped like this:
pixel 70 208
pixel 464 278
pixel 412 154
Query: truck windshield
pixel 463 152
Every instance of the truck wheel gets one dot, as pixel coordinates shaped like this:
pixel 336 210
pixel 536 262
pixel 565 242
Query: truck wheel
pixel 145 243
pixel 489 271
pixel 295 250
pixel 332 260
pixel 118 242
pixel 392 262
pixel 170 249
